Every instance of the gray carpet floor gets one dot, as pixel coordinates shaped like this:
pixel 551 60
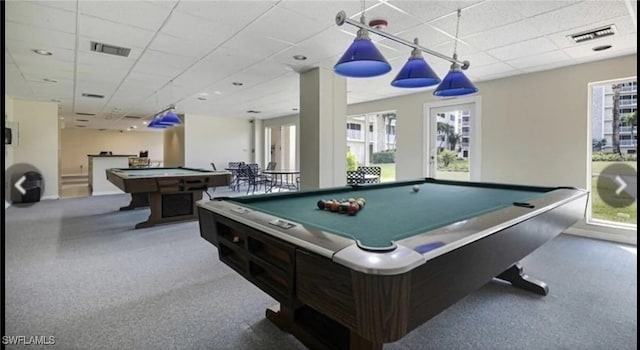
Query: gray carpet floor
pixel 77 270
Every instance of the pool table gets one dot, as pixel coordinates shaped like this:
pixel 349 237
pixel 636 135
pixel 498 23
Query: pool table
pixel 170 193
pixel 359 281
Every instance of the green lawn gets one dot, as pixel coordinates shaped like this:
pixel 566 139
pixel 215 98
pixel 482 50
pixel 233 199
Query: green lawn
pixel 388 172
pixel 601 210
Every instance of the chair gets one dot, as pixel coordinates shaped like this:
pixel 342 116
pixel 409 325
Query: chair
pixel 250 174
pixel 272 166
pixel 213 165
pixel 355 177
pixel 374 173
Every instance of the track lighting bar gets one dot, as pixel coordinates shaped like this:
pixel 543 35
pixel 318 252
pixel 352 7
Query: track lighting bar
pixel 341 18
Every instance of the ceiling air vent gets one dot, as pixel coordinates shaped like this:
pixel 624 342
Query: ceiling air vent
pixel 82 120
pixel 110 49
pixel 131 117
pixel 87 114
pixel 593 34
pixel 92 95
pixel 253 112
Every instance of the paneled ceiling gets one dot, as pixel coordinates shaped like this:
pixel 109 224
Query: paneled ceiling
pixel 190 53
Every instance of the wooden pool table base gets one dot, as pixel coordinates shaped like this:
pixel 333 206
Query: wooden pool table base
pixel 157 203
pixel 320 332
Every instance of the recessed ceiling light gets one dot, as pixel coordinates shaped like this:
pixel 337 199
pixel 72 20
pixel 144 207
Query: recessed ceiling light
pixel 61 118
pixel 50 80
pixel 601 48
pixel 299 57
pixel 145 122
pixel 294 109
pixel 43 52
pixel 217 92
pixel 237 83
pixel 202 98
pixel 134 127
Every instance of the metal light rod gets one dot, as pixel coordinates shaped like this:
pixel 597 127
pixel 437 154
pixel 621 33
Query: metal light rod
pixel 341 18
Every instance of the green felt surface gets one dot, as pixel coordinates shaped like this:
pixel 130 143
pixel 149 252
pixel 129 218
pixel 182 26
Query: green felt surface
pixel 391 213
pixel 160 172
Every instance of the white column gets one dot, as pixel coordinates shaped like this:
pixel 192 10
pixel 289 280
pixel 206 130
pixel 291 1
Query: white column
pixel 323 118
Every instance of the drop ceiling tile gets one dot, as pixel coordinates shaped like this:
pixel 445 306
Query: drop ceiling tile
pixel 533 8
pixel 578 15
pixel 540 60
pixel 322 11
pixel 39 36
pixel 526 48
pixel 278 24
pixel 167 64
pixel 477 19
pixel 183 25
pixel 478 73
pixel 232 14
pixel 59 4
pixel 132 13
pixel 508 34
pixel 112 33
pixel 428 11
pixel 182 46
pixel 29 13
pixel 263 47
pixel 427 36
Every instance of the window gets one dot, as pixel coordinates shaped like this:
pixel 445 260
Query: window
pixel 376 146
pixel 613 153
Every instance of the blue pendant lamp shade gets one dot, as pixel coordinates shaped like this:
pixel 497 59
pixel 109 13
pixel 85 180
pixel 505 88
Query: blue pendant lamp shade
pixel 155 123
pixel 170 118
pixel 416 73
pixel 455 84
pixel 362 59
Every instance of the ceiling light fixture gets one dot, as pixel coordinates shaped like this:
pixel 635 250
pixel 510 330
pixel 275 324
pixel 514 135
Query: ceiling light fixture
pixel 166 117
pixel 237 83
pixel 299 57
pixel 49 80
pixel 362 59
pixel 602 48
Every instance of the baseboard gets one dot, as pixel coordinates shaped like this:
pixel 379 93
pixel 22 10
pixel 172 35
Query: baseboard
pixel 602 235
pixel 44 198
pixel 106 193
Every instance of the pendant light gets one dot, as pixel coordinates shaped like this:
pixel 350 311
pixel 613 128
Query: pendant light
pixel 362 59
pixel 416 73
pixel 455 83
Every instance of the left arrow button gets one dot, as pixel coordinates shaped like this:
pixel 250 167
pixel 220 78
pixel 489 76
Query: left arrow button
pixel 18 185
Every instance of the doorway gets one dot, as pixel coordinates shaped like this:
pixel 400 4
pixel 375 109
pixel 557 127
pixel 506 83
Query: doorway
pixel 452 139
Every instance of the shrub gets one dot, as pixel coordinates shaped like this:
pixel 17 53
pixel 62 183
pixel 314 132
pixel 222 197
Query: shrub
pixel 352 163
pixel 383 157
pixel 612 157
pixel 446 157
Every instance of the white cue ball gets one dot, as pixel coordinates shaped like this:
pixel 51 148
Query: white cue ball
pixel 416 188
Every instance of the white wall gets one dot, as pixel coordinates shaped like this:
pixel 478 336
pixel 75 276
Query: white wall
pixel 220 140
pixel 534 126
pixel 38 143
pixel 174 146
pixel 77 143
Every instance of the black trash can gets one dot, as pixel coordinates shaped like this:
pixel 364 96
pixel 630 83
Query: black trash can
pixel 32 186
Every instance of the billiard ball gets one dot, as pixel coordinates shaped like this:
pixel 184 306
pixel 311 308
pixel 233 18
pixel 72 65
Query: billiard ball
pixel 353 208
pixel 416 188
pixel 321 204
